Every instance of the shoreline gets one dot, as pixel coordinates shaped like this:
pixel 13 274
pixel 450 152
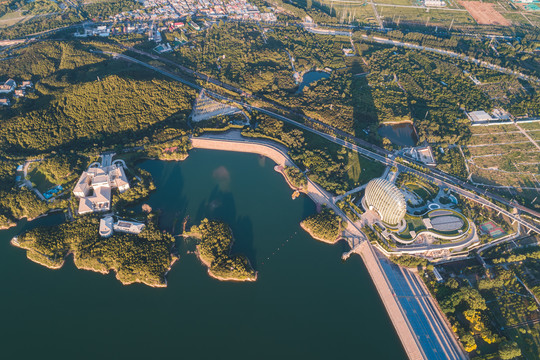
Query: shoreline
pixel 15 242
pixel 306 229
pixel 220 278
pixel 208 264
pixel 238 143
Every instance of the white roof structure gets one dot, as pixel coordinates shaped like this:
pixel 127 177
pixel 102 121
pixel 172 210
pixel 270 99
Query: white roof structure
pixel 96 183
pixel 106 226
pixel 384 197
pixel 130 227
pixel 479 116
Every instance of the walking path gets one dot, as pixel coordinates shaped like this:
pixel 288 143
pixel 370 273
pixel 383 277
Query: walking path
pixel 535 143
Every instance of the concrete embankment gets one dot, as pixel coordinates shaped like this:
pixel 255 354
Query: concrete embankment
pixel 397 316
pixel 234 142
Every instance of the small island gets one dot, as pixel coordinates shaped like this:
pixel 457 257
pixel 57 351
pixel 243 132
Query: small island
pixel 324 226
pixel 145 257
pixel 214 248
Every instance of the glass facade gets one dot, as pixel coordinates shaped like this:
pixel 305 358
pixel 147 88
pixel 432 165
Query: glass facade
pixel 384 197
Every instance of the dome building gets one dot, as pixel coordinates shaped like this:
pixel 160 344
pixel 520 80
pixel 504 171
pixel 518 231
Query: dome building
pixel 384 197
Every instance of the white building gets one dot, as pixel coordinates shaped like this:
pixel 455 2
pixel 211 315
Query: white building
pixel 8 86
pixel 106 226
pixel 434 3
pixel 479 116
pixel 129 227
pixel 95 184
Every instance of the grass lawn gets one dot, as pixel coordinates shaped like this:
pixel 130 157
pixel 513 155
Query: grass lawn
pixel 38 178
pixel 361 170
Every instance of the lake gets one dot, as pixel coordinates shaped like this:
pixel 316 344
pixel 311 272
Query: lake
pixel 311 77
pixel 403 134
pixel 306 303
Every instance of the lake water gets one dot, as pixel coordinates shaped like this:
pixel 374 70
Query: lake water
pixel 306 304
pixel 311 77
pixel 403 134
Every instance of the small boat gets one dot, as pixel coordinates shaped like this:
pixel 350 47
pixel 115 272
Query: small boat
pixel 295 194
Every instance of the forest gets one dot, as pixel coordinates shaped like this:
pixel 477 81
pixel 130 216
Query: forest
pixel 68 83
pixel 215 240
pixel 329 165
pixel 144 258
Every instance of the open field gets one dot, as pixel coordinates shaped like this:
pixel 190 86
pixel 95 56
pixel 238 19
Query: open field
pixel 484 13
pixel 423 15
pixel 503 156
pixel 501 147
pixel 355 9
pixel 511 136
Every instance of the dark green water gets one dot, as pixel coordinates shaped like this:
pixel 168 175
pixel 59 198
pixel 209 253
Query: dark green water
pixel 306 304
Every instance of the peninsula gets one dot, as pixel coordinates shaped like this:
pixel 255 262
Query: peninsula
pixel 121 253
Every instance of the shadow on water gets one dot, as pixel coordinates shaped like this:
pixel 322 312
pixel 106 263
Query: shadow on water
pixel 308 207
pixel 221 205
pixel 244 241
pixel 172 214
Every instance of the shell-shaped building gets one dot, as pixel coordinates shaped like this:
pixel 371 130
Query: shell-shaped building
pixel 384 197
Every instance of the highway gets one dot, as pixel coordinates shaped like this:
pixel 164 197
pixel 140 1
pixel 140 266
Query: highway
pixel 368 150
pixel 435 176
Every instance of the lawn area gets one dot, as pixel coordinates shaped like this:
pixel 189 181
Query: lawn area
pixel 414 223
pixel 419 190
pixel 38 178
pixel 361 169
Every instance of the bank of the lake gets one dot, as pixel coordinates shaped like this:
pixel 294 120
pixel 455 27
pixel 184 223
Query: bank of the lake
pixel 311 77
pixel 402 133
pixel 306 302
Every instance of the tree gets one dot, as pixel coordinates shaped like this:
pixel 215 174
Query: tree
pixel 509 350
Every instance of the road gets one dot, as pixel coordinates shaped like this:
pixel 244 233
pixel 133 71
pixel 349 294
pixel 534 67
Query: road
pixel 452 54
pixel 369 150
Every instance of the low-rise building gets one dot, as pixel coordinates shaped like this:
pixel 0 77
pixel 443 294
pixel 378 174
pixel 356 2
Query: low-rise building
pixel 106 226
pixel 19 93
pixel 96 183
pixel 130 227
pixel 8 86
pixel 4 102
pixel 434 3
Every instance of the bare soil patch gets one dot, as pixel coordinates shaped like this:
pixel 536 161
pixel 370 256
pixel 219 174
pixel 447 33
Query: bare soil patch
pixel 484 13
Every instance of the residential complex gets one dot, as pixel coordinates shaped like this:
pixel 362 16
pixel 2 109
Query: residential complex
pixel 176 9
